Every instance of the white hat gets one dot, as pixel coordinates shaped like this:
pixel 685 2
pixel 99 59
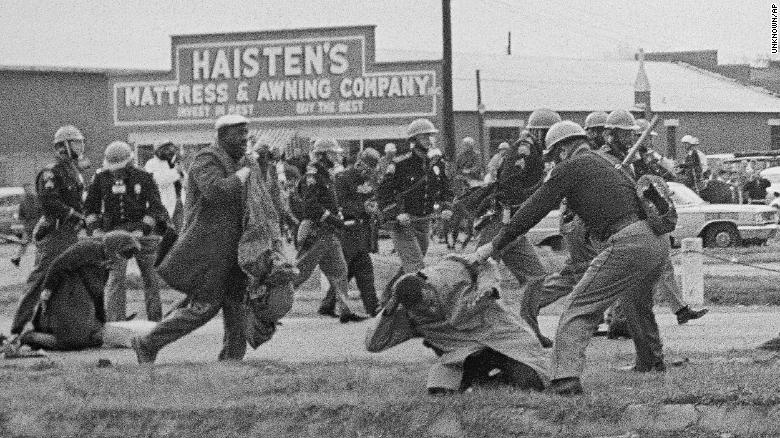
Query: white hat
pixel 503 145
pixel 390 147
pixel 689 139
pixel 118 154
pixel 230 120
pixel 434 152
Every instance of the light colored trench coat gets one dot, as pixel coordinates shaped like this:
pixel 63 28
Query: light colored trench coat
pixel 460 324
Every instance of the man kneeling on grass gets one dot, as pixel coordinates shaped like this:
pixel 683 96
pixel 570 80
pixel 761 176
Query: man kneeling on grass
pixel 455 307
pixel 70 313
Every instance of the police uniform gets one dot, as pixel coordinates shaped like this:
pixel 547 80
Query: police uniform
pixel 629 263
pixel 518 177
pixel 318 234
pixel 60 187
pixel 402 184
pixel 121 199
pixel 352 191
pixel 667 285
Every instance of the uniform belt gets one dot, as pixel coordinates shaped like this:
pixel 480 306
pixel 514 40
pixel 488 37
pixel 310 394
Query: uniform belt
pixel 618 225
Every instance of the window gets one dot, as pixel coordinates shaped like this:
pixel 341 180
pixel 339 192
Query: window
pixel 774 137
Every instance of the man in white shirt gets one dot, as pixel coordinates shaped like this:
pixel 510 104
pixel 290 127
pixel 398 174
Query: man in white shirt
pixel 167 175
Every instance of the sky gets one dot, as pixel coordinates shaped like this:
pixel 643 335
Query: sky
pixel 136 34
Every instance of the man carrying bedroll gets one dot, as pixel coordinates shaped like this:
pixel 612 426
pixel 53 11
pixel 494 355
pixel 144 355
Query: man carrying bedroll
pixel 203 263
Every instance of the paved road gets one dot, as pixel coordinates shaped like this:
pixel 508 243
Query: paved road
pixel 319 339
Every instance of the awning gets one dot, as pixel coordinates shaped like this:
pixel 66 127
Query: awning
pixel 369 132
pixel 276 136
pixel 178 137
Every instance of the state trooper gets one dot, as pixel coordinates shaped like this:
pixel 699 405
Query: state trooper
pixel 622 131
pixel 321 224
pixel 594 127
pixel 356 190
pixel 519 175
pixel 409 190
pixel 60 188
pixel 576 235
pixel 125 197
pixel 629 262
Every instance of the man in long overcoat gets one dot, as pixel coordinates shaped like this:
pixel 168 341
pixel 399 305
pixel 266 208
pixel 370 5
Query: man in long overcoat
pixel 455 307
pixel 70 313
pixel 204 261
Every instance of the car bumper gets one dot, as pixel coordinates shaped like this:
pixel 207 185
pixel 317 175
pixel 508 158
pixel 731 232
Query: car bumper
pixel 758 232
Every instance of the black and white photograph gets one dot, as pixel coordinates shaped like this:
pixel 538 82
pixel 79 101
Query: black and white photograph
pixel 380 219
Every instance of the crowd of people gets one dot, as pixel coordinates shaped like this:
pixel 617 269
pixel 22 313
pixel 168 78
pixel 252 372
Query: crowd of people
pixel 196 228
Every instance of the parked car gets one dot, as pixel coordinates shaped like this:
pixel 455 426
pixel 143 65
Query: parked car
pixel 10 198
pixel 773 175
pixel 719 225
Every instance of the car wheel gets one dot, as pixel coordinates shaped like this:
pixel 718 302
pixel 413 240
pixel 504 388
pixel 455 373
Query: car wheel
pixel 721 236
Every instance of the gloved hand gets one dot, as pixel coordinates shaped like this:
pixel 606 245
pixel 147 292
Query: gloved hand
pixel 90 220
pixel 148 224
pixel 371 207
pixel 484 252
pixel 90 223
pixel 243 174
pixel 44 300
pixel 404 219
pixel 446 214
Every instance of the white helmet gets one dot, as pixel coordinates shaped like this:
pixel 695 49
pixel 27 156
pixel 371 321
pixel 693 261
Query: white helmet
pixel 327 145
pixel 689 139
pixel 563 131
pixel 67 132
pixel 420 126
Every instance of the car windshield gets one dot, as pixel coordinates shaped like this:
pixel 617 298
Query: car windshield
pixel 682 195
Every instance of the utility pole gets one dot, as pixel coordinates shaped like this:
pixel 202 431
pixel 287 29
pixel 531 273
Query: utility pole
pixel 446 67
pixel 509 43
pixel 481 122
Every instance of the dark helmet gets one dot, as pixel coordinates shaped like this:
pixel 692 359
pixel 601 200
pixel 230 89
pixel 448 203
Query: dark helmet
pixel 543 118
pixel 596 119
pixel 620 119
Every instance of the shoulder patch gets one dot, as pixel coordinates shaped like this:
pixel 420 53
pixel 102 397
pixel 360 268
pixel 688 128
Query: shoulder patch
pixel 390 168
pixel 436 170
pixel 47 179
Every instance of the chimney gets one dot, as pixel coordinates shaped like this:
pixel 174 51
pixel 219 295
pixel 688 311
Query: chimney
pixel 642 88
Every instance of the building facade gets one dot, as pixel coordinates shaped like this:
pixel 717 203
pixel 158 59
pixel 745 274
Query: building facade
pixel 302 84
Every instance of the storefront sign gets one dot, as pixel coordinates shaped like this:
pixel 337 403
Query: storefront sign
pixel 314 78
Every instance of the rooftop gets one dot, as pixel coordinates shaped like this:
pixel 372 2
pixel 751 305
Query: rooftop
pixel 522 83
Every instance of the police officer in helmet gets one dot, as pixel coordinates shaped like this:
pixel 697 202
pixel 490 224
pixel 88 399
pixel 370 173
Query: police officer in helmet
pixel 623 131
pixel 407 194
pixel 321 225
pixel 629 261
pixel 520 174
pixel 125 197
pixel 60 187
pixel 355 190
pixel 594 128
